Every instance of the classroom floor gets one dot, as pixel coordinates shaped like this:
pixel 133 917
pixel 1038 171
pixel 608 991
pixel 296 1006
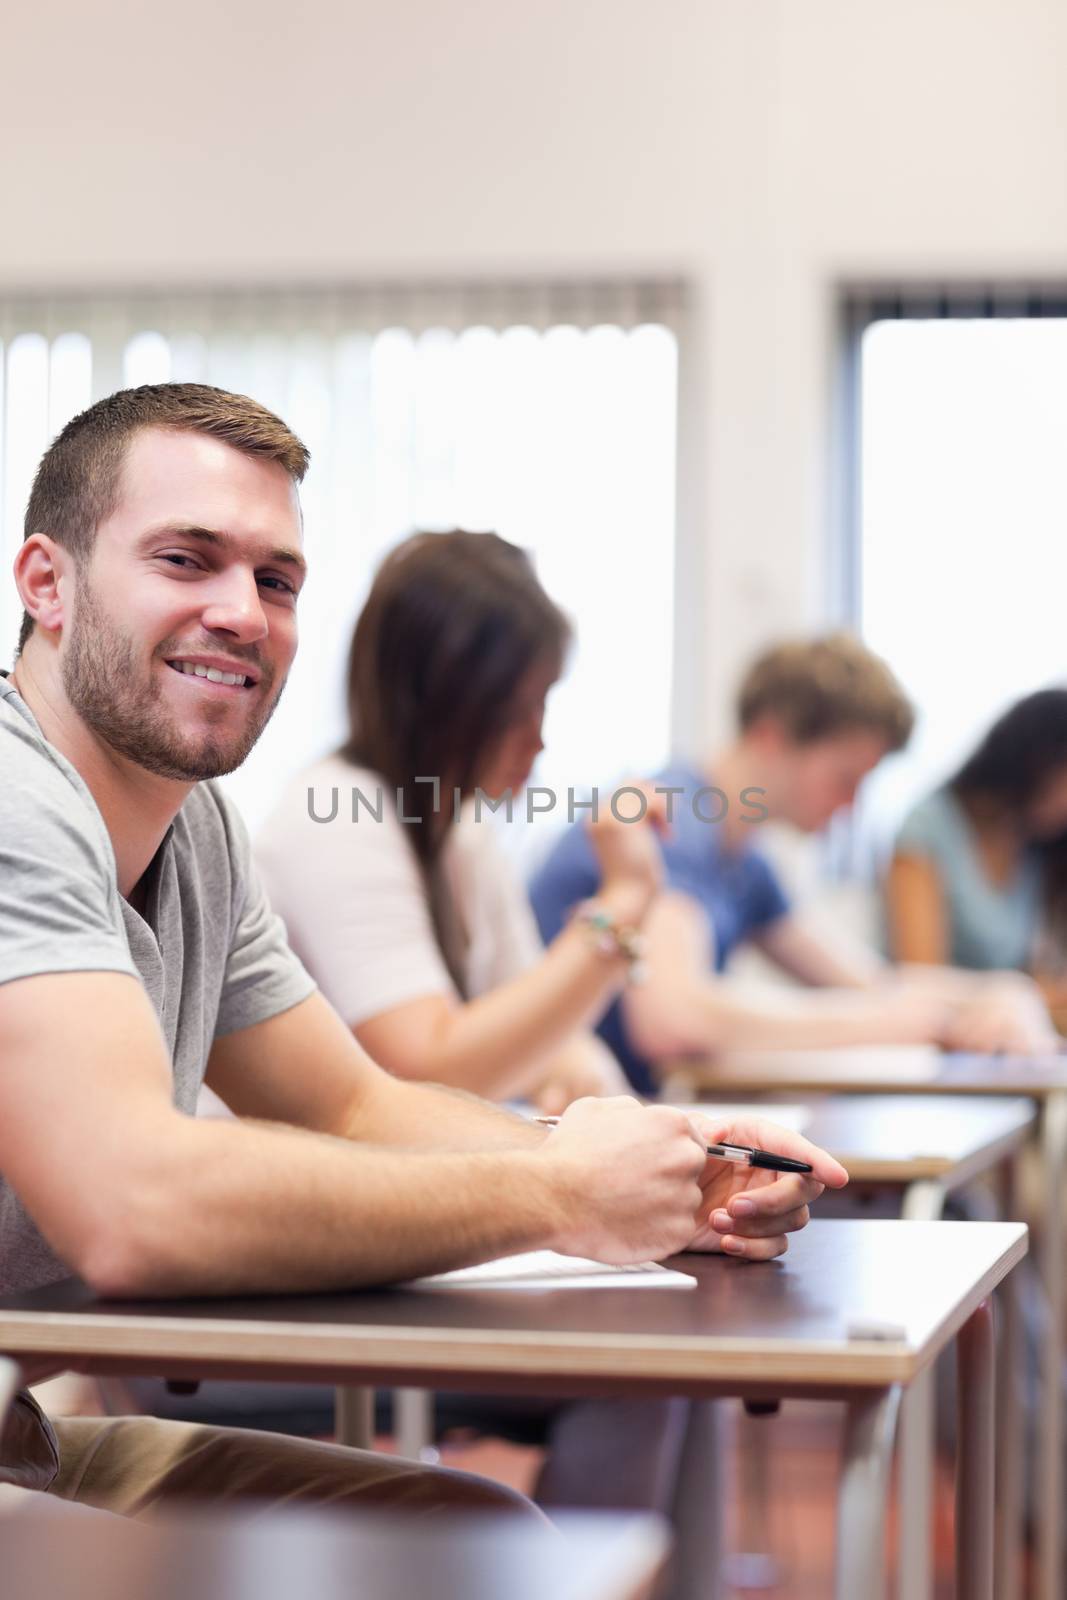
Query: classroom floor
pixel 801 1491
pixel 803 1477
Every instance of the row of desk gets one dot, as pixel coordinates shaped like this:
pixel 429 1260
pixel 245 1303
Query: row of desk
pixel 200 1557
pixel 951 1082
pixel 858 1311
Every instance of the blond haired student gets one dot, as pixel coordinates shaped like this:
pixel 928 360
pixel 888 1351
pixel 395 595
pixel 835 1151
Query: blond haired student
pixel 814 717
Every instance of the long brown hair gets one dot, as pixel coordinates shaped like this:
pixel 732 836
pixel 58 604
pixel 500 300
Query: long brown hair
pixel 451 627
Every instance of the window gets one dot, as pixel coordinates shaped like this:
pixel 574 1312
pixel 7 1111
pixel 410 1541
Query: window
pixel 960 549
pixel 548 415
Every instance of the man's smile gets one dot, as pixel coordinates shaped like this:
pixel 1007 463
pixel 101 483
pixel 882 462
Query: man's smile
pixel 215 673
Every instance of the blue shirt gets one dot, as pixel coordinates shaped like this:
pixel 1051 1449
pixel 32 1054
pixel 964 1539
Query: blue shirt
pixel 738 890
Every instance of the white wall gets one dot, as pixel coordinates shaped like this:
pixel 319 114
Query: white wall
pixel 764 148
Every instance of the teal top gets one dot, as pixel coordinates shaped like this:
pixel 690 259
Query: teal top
pixel 990 925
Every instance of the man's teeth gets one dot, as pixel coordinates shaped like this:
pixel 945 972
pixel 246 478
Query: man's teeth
pixel 213 674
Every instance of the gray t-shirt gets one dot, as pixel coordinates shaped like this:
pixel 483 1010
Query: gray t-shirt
pixel 209 951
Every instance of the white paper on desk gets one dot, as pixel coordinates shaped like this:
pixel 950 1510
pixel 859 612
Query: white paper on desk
pixel 545 1269
pixel 793 1117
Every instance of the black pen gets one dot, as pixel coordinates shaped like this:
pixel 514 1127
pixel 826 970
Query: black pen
pixel 745 1155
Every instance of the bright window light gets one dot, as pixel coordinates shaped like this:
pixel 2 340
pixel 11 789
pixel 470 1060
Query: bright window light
pixel 147 359
pixel 561 439
pixel 963 547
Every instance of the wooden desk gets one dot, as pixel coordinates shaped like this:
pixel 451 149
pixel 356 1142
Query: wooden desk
pixel 296 1553
pixel 856 1311
pixel 921 1070
pixel 906 1140
pixel 869 1070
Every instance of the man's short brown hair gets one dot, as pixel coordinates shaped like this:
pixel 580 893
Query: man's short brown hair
pixel 77 483
pixel 818 688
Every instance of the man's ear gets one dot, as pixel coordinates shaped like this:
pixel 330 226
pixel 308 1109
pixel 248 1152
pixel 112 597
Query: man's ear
pixel 769 734
pixel 41 566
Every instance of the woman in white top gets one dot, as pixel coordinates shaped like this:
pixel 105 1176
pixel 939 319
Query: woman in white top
pixel 418 933
pixel 405 911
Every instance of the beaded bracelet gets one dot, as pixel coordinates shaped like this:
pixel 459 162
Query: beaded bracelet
pixel 613 940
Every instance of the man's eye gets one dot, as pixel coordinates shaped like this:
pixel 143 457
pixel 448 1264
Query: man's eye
pixel 280 585
pixel 176 559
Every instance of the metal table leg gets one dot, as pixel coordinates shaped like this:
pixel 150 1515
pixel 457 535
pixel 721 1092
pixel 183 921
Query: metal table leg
pixel 753 1565
pixel 922 1202
pixel 975 1457
pixel 1011 1411
pixel 861 1511
pixel 697 1512
pixel 353 1416
pixel 10 1378
pixel 1050 1487
pixel 413 1421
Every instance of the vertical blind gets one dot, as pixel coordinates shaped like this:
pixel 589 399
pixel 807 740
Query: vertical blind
pixel 545 412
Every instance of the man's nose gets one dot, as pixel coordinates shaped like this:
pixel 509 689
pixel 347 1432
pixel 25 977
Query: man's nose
pixel 235 607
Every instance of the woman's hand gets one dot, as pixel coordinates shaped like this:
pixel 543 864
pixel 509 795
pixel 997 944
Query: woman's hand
pixel 631 864
pixel 584 1067
pixel 748 1212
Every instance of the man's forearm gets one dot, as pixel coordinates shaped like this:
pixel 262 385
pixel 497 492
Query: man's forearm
pixel 720 1014
pixel 276 1208
pixel 812 958
pixel 428 1116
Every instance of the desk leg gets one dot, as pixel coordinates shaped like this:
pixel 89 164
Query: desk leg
pixel 975 1457
pixel 861 1511
pixel 353 1417
pixel 10 1378
pixel 1050 1450
pixel 1011 1408
pixel 413 1421
pixel 697 1512
pixel 922 1202
pixel 753 1565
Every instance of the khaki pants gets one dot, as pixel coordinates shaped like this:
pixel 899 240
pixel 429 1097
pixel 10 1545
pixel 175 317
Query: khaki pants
pixel 136 1466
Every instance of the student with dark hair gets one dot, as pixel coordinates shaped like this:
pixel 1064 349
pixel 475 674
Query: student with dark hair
pixel 979 870
pixel 814 718
pixel 383 861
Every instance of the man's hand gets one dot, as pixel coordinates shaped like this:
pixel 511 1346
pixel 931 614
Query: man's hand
pixel 624 1180
pixel 1006 1015
pixel 985 1012
pixel 747 1211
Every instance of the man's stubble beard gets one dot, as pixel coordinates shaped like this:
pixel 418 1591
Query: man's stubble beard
pixel 100 677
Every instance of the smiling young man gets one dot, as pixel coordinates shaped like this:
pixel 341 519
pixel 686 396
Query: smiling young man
pixel 138 956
